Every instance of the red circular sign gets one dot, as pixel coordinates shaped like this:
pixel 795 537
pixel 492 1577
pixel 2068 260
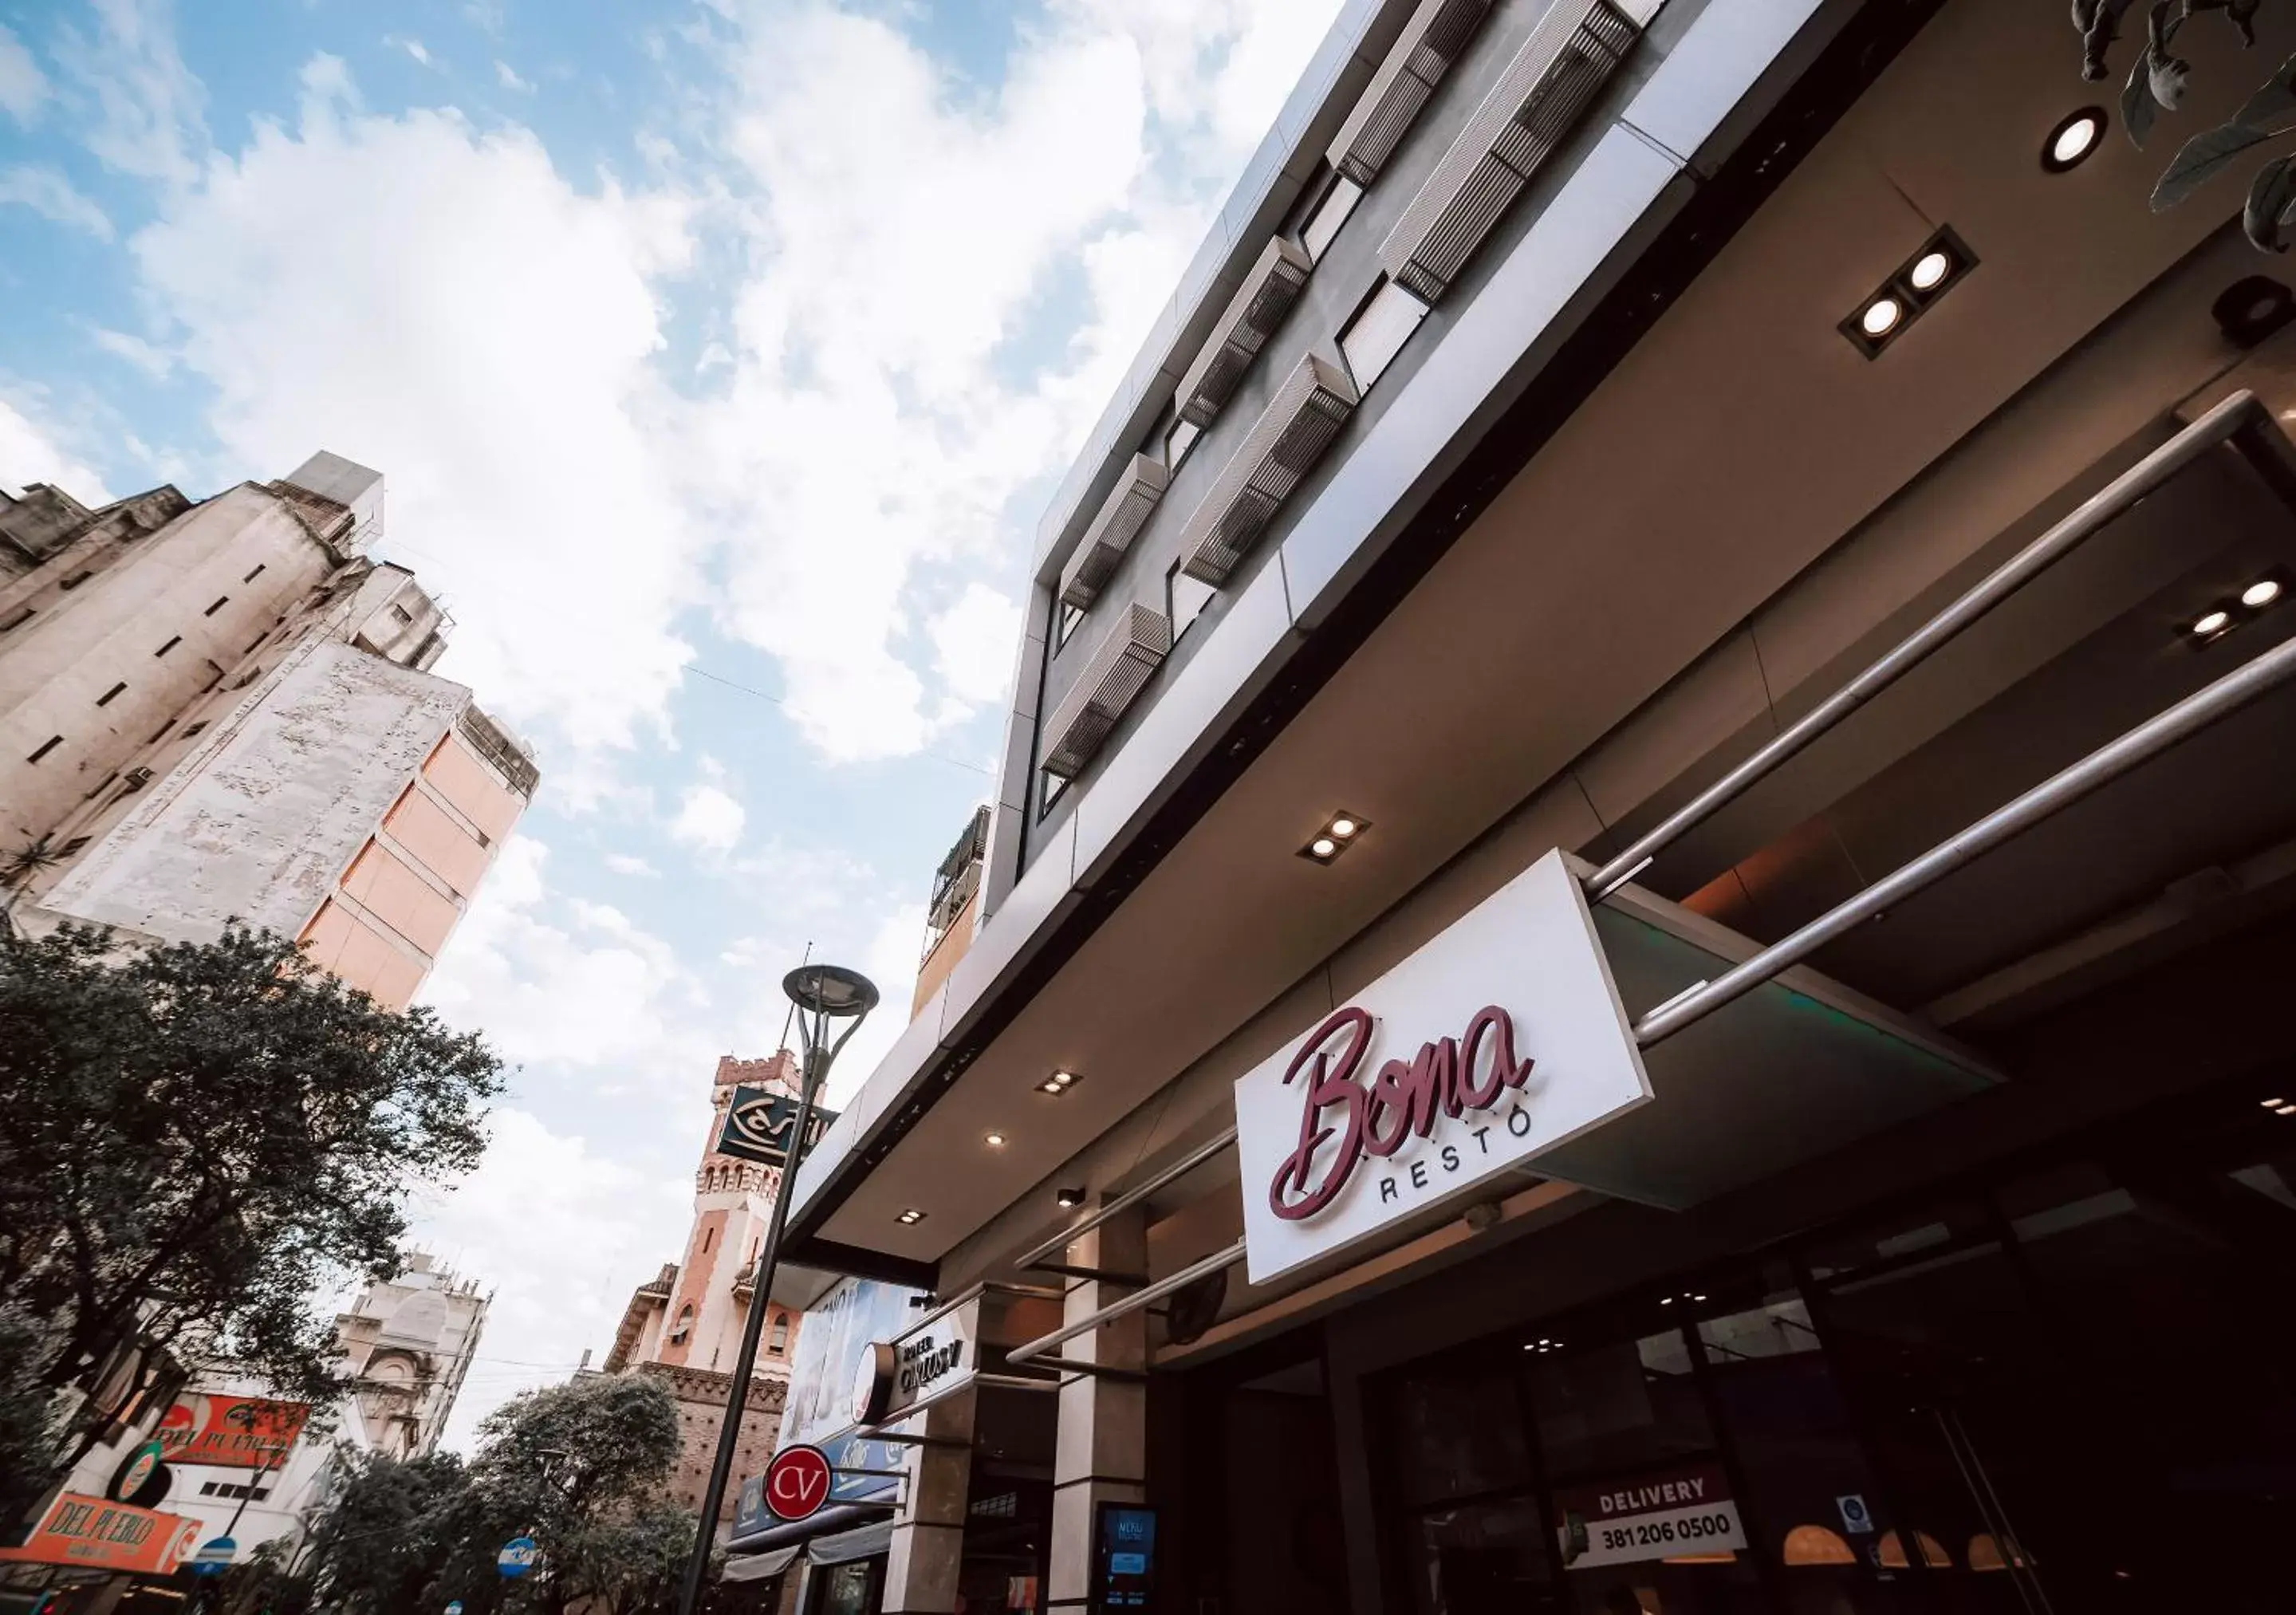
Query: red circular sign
pixel 797 1481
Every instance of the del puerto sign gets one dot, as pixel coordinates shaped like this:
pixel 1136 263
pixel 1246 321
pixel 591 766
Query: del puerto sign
pixel 1500 1038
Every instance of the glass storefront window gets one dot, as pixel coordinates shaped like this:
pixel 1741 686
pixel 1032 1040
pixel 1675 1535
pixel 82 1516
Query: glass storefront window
pixel 1488 1558
pixel 1460 1433
pixel 1613 1407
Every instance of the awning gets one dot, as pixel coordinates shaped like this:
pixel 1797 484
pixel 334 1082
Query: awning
pixel 837 1517
pixel 862 1542
pixel 757 1567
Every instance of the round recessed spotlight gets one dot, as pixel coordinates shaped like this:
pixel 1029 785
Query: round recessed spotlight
pixel 1323 847
pixel 1343 827
pixel 994 1140
pixel 1929 270
pixel 2263 592
pixel 2215 622
pixel 2071 142
pixel 1881 316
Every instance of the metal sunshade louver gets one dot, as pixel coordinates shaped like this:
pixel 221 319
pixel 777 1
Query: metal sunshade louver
pixel 1136 642
pixel 1270 287
pixel 1129 505
pixel 1567 57
pixel 1284 444
pixel 1433 39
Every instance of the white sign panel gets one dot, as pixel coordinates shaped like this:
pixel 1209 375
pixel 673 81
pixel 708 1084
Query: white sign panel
pixel 1502 1037
pixel 1671 1514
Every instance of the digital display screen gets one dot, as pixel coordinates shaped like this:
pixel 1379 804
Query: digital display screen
pixel 1125 1556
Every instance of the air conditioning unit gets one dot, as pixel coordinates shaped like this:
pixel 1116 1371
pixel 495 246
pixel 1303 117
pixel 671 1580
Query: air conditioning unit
pixel 1569 54
pixel 1126 512
pixel 1135 643
pixel 1298 424
pixel 1269 289
pixel 1435 36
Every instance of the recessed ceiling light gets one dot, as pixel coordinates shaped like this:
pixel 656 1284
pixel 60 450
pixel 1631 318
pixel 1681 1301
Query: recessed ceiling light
pixel 2263 592
pixel 995 1141
pixel 1929 270
pixel 2213 622
pixel 1323 847
pixel 2070 144
pixel 1059 1082
pixel 2286 1109
pixel 1881 316
pixel 1339 831
pixel 1068 1200
pixel 1343 826
pixel 910 1215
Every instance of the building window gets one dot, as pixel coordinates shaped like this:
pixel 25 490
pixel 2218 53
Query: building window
pixel 22 615
pixel 221 601
pixel 256 646
pixel 46 746
pixel 777 1339
pixel 113 694
pixel 194 728
pixel 1179 440
pixel 74 845
pixel 1071 616
pixel 162 734
pixel 1185 598
pixel 75 580
pixel 401 612
pixel 170 645
pixel 100 790
pixel 1054 786
pixel 684 1325
pixel 708 1238
pixel 1378 331
pixel 252 576
pixel 1324 221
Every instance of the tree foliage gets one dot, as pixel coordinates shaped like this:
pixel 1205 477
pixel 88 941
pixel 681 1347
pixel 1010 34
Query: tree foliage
pixel 197 1139
pixel 581 1468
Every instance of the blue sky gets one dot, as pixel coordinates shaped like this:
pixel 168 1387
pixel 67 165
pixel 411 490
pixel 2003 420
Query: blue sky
pixel 720 355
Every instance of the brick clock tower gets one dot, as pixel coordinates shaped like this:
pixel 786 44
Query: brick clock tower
pixel 686 1324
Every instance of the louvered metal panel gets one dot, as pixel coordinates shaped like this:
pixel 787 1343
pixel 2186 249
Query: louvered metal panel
pixel 1127 510
pixel 1574 49
pixel 1135 642
pixel 1251 318
pixel 1431 41
pixel 1284 444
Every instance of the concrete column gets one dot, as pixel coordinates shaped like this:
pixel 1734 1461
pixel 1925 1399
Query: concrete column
pixel 1100 1453
pixel 928 1542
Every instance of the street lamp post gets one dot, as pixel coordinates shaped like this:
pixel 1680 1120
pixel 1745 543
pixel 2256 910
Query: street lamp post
pixel 823 994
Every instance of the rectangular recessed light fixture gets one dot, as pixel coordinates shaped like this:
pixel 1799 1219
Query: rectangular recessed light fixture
pixel 1058 1083
pixel 2253 598
pixel 1943 262
pixel 910 1215
pixel 1341 831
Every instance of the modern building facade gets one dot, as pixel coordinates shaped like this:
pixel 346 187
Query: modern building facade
pixel 1624 953
pixel 685 1323
pixel 226 710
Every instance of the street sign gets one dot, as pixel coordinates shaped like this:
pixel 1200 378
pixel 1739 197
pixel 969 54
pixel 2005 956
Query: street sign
pixel 214 1557
pixel 455 1608
pixel 760 1123
pixel 517 1557
pixel 797 1481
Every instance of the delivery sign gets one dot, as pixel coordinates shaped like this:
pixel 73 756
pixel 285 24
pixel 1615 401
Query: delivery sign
pixel 231 1432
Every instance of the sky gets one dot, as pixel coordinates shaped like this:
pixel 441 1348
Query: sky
pixel 720 356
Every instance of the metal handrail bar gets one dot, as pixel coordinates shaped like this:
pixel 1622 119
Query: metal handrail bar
pixel 1144 1297
pixel 2220 424
pixel 1128 1199
pixel 2100 767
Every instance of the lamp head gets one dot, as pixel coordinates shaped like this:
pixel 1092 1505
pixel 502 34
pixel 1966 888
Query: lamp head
pixel 830 990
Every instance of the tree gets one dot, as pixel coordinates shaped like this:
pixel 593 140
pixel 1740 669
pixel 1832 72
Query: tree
pixel 197 1139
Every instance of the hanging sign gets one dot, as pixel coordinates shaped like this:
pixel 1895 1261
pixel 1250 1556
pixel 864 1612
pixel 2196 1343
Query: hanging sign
pixel 759 1124
pixel 95 1533
pixel 1500 1038
pixel 797 1481
pixel 939 1357
pixel 1685 1512
pixel 231 1432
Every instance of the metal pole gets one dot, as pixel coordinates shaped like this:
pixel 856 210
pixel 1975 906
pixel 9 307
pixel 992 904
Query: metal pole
pixel 2100 767
pixel 818 1056
pixel 1131 1197
pixel 1144 1296
pixel 2225 421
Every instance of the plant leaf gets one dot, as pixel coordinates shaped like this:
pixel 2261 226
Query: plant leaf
pixel 2271 197
pixel 2200 160
pixel 2137 104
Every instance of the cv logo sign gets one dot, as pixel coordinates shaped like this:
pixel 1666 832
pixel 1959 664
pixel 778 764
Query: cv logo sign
pixel 797 1481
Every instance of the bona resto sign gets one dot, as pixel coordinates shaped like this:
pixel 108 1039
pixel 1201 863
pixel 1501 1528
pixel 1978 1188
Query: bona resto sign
pixel 1501 1038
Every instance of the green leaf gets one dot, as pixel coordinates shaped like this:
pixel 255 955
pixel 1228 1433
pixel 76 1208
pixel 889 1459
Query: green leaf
pixel 2269 112
pixel 2271 200
pixel 2137 104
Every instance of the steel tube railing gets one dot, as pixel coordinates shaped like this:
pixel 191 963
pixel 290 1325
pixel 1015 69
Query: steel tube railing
pixel 1128 1199
pixel 1146 1295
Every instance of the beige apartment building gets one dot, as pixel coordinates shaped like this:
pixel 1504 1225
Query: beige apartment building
pixel 226 710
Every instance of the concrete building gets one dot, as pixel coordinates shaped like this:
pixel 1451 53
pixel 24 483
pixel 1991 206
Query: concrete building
pixel 1648 833
pixel 410 1343
pixel 226 710
pixel 685 1323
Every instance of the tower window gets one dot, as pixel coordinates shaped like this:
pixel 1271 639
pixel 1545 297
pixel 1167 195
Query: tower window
pixel 221 601
pixel 252 576
pixel 17 621
pixel 777 1340
pixel 684 1326
pixel 113 694
pixel 75 580
pixel 170 645
pixel 46 746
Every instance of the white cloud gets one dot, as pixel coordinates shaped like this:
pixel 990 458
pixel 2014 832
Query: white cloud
pixel 707 819
pixel 973 644
pixel 23 85
pixel 482 333
pixel 31 452
pixel 623 864
pixel 146 114
pixel 413 48
pixel 46 191
pixel 152 361
pixel 507 76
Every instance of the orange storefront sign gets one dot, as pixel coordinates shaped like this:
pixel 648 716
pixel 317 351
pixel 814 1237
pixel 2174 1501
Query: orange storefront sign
pixel 93 1533
pixel 231 1432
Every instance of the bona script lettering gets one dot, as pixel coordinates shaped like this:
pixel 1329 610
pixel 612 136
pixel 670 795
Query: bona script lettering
pixel 1447 1077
